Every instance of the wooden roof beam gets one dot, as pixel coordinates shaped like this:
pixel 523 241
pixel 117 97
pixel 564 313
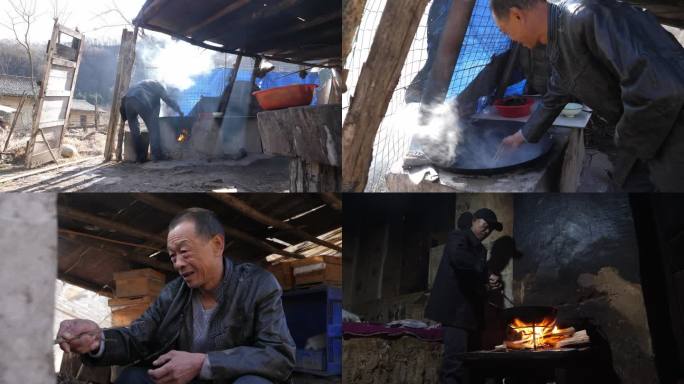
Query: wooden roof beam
pixel 332 200
pixel 96 242
pixel 88 218
pixel 218 15
pixel 173 208
pixel 257 215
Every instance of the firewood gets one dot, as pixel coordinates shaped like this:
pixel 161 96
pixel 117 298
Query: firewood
pixel 578 338
pixel 569 332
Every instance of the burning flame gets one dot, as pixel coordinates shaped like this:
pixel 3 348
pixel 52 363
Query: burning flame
pixel 543 334
pixel 183 136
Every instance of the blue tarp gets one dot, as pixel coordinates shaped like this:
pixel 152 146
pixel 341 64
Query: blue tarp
pixel 211 84
pixel 483 39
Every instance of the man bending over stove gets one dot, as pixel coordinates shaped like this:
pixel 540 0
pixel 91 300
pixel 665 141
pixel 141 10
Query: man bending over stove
pixel 144 99
pixel 216 323
pixel 459 292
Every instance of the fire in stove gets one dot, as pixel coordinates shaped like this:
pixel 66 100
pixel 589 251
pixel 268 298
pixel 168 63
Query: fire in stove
pixel 544 334
pixel 536 328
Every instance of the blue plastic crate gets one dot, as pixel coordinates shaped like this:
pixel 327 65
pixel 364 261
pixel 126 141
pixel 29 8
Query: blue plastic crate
pixel 312 311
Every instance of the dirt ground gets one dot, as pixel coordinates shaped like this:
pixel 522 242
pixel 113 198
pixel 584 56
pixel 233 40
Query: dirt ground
pixel 255 173
pixel 86 171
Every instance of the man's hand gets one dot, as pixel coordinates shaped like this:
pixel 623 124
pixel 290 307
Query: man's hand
pixel 79 336
pixel 494 282
pixel 513 141
pixel 176 367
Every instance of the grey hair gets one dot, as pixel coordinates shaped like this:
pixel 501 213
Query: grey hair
pixel 207 224
pixel 501 7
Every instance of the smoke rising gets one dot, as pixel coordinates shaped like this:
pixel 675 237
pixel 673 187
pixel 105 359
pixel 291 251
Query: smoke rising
pixel 175 63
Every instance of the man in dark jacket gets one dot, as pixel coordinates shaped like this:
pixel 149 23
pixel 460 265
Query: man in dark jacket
pixel 618 60
pixel 144 99
pixel 459 292
pixel 218 322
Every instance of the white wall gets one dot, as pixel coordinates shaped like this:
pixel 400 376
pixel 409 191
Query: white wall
pixel 28 269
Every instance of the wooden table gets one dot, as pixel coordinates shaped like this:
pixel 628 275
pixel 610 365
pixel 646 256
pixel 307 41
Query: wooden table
pixel 560 171
pixel 312 137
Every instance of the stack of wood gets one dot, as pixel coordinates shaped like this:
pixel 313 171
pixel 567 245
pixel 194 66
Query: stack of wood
pixel 318 270
pixel 136 290
pixel 564 338
pixel 282 271
pixel 309 271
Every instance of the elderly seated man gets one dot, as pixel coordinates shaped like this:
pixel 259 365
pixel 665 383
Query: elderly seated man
pixel 216 323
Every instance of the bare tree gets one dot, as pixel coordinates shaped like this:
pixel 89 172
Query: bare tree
pixel 23 14
pixel 60 12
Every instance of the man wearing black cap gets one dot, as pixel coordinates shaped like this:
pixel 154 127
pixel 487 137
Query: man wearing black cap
pixel 459 291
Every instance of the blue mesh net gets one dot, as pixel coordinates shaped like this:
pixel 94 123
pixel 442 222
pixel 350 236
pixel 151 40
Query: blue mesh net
pixel 483 39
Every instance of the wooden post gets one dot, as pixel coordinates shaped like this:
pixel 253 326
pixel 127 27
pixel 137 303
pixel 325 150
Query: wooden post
pixel 14 120
pixel 376 84
pixel 310 136
pixel 97 118
pixel 225 98
pixel 128 72
pixel 123 79
pixel 352 13
pixel 573 161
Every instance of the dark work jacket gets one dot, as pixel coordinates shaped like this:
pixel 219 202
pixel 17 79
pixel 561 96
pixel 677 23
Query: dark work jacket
pixel 248 328
pixel 459 291
pixel 149 93
pixel 531 64
pixel 621 62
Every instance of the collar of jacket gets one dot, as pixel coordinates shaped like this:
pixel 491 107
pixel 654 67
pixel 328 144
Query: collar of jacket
pixel 225 282
pixel 472 238
pixel 223 285
pixel 553 25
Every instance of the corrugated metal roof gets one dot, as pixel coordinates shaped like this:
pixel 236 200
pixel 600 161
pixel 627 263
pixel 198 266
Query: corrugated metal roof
pixel 15 85
pixel 294 30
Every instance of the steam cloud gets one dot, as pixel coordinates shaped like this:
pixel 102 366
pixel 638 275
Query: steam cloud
pixel 174 63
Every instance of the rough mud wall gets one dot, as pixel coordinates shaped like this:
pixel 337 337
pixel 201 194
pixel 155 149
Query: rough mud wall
pixel 28 269
pixel 404 360
pixel 579 253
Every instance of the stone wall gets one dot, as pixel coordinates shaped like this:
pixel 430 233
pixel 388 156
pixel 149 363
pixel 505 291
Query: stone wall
pixel 579 253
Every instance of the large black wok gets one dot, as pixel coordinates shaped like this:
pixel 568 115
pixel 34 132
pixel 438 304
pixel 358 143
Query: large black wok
pixel 475 153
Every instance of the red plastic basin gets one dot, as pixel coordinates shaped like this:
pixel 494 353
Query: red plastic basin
pixel 513 110
pixel 285 97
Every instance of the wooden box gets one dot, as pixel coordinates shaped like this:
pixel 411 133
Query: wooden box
pixel 283 273
pixel 126 310
pixel 318 269
pixel 139 282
